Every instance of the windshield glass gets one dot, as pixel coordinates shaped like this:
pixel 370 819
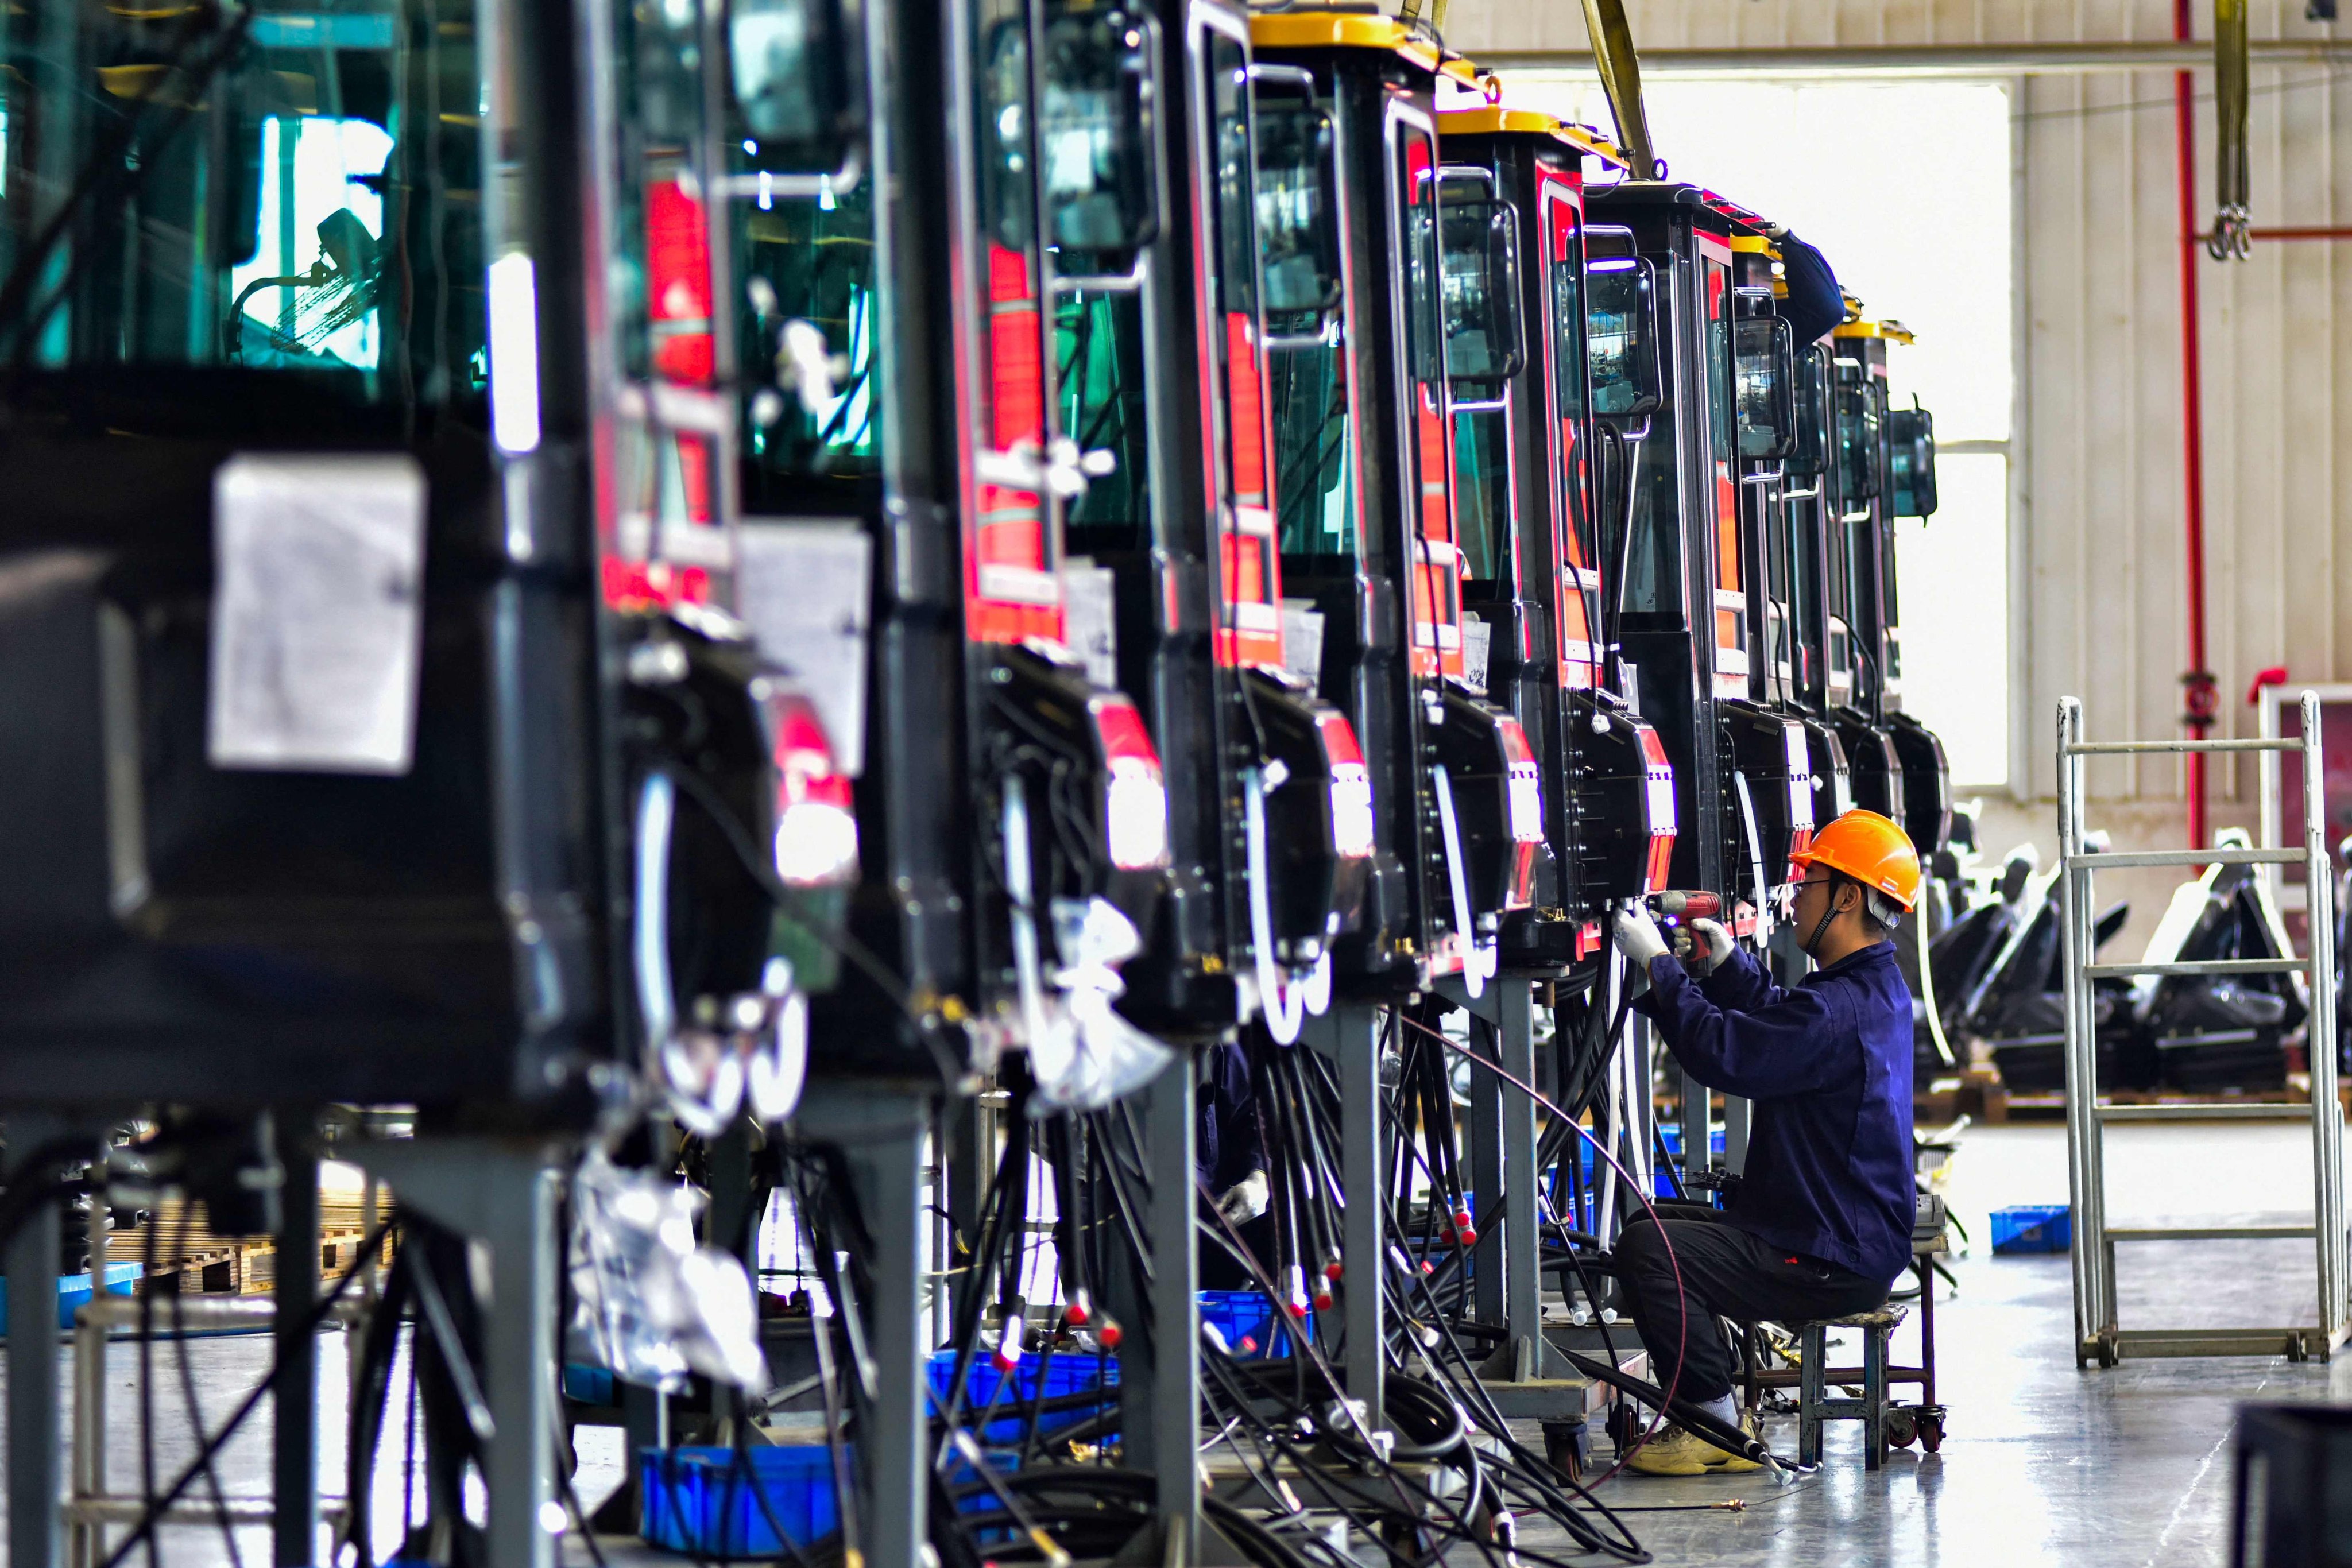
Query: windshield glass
pixel 808 338
pixel 1564 262
pixel 1482 472
pixel 1653 556
pixel 1306 383
pixel 1314 475
pixel 1099 350
pixel 1296 232
pixel 266 191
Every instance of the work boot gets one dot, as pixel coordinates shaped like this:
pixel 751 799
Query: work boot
pixel 1674 1452
pixel 1722 1461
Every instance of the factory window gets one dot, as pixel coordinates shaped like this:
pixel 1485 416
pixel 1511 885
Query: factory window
pixel 305 294
pixel 1914 214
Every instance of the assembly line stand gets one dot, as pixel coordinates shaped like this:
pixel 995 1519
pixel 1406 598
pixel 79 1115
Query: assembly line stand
pixel 1350 1034
pixel 1526 1376
pixel 883 1133
pixel 294 1288
pixel 500 1192
pixel 35 1439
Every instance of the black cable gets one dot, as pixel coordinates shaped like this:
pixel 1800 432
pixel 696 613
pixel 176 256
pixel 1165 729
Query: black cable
pixel 152 1515
pixel 188 1375
pixel 146 1368
pixel 791 902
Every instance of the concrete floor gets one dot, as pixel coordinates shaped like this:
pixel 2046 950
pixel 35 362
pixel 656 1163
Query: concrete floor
pixel 2043 1463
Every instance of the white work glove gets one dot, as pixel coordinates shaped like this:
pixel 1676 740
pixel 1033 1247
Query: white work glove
pixel 1638 938
pixel 1245 1199
pixel 1714 946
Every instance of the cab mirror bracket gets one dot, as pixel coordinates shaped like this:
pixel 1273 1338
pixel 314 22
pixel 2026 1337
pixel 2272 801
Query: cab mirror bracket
pixel 795 70
pixel 1297 208
pixel 1621 335
pixel 1485 344
pixel 1911 468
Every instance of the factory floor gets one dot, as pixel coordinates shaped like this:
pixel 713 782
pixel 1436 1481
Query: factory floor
pixel 2041 1464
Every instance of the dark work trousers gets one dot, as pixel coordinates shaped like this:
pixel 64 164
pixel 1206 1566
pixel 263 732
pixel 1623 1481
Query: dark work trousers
pixel 1725 1273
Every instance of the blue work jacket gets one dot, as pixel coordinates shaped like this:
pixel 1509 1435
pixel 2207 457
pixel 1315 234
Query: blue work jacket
pixel 1828 1066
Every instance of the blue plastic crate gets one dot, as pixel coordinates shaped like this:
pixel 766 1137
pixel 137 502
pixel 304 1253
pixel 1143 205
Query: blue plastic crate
pixel 588 1385
pixel 2032 1228
pixel 73 1289
pixel 960 1474
pixel 703 1501
pixel 1254 1331
pixel 1067 1372
pixel 1660 1184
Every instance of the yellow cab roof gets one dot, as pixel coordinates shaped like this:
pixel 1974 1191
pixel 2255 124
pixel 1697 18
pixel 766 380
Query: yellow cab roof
pixel 1893 331
pixel 1314 28
pixel 1491 118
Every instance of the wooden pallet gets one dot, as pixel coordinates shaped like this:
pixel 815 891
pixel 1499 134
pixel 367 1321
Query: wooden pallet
pixel 194 1258
pixel 2000 1105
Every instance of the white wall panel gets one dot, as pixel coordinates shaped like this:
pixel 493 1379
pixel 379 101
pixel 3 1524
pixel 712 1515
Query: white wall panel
pixel 2099 452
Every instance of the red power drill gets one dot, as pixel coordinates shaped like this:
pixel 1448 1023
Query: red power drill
pixel 1674 909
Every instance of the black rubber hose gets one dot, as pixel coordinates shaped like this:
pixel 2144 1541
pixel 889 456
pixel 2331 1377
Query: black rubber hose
pixel 1690 1418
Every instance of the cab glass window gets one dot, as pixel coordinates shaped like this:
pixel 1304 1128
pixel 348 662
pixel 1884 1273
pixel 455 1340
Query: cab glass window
pixel 1482 475
pixel 1307 380
pixel 807 343
pixel 1564 267
pixel 1098 352
pixel 244 193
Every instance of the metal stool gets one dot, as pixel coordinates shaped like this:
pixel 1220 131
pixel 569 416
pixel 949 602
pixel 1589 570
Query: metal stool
pixel 1813 1403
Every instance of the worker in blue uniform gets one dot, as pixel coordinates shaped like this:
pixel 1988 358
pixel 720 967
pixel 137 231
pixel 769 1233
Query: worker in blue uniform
pixel 1819 1223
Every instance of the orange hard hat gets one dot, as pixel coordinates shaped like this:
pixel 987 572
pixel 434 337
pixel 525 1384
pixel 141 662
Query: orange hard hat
pixel 1873 850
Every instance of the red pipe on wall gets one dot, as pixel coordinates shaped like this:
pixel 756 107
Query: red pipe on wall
pixel 2197 684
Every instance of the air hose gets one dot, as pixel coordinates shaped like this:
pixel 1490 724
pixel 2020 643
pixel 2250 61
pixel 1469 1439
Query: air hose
pixel 1478 964
pixel 1692 1418
pixel 1284 1000
pixel 1927 995
pixel 656 996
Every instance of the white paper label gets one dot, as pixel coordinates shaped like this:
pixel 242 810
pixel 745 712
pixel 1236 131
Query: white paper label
pixel 1090 618
pixel 1478 637
pixel 1302 640
pixel 318 599
pixel 805 589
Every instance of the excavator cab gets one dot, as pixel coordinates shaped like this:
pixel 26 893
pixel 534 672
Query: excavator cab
pixel 1160 365
pixel 1530 504
pixel 1360 389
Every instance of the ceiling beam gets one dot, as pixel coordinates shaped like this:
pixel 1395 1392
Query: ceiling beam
pixel 1928 59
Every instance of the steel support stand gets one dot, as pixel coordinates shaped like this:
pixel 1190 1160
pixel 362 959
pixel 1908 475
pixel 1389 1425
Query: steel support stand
pixel 1159 1367
pixel 2322 1045
pixel 1484 1130
pixel 1526 1376
pixel 294 1403
pixel 882 1132
pixel 35 1439
pixel 503 1193
pixel 967 1165
pixel 1697 1114
pixel 1350 1034
pixel 2098 1333
pixel 733 1228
